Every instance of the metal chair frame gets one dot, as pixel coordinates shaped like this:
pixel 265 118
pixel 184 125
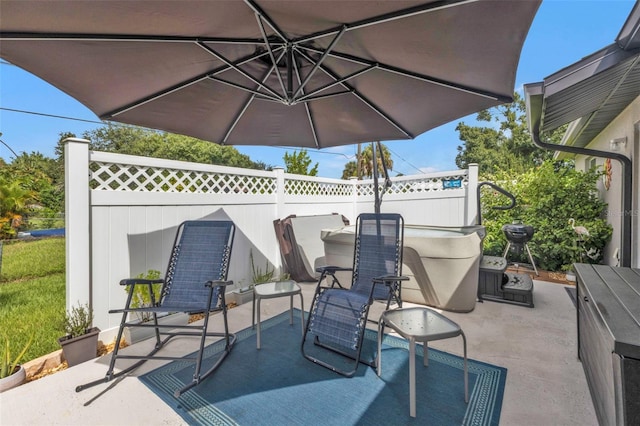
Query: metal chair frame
pixel 361 292
pixel 209 298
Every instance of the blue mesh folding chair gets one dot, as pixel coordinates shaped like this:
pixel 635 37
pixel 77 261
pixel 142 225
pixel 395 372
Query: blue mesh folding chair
pixel 195 282
pixel 338 316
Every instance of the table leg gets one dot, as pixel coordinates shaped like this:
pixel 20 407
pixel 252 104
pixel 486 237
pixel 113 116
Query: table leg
pixel 379 358
pixel 466 372
pixel 412 377
pixel 425 354
pixel 302 313
pixel 253 312
pixel 258 317
pixel 291 309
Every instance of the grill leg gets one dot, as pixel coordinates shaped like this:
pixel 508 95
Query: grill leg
pixel 531 259
pixel 506 250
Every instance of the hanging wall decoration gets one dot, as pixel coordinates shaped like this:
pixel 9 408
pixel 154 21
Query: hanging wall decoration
pixel 607 173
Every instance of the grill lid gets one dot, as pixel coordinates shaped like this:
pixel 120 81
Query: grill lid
pixel 518 233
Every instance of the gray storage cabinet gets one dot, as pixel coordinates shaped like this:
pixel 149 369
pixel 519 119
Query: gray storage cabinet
pixel 609 340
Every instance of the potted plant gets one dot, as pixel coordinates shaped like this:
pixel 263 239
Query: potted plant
pixel 80 344
pixel 258 276
pixel 142 298
pixel 12 373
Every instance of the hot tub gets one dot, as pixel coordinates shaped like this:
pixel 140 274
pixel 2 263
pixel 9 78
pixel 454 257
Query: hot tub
pixel 442 263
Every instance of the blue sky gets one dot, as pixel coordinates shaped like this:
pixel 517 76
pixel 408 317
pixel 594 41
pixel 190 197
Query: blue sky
pixel 563 32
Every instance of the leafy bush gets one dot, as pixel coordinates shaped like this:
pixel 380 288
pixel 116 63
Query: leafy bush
pixel 546 198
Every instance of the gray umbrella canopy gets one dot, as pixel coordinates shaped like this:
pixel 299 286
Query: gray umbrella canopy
pixel 291 73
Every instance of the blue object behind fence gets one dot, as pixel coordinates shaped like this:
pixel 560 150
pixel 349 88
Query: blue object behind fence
pixel 452 183
pixel 47 232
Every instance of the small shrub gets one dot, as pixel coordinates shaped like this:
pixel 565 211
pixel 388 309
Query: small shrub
pixel 258 275
pixel 8 364
pixel 142 295
pixel 78 321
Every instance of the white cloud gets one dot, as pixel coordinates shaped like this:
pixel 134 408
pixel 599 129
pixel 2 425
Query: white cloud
pixel 429 169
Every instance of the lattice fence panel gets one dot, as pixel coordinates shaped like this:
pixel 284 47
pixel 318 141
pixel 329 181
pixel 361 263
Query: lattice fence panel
pixel 435 184
pixel 304 187
pixel 124 177
pixel 418 185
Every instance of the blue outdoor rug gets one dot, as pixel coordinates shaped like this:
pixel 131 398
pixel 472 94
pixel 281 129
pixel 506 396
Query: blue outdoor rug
pixel 277 386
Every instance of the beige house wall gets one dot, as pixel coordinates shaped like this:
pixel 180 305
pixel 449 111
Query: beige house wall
pixel 626 125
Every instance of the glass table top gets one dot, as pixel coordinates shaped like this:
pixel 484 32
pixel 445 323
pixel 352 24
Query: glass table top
pixel 421 324
pixel 276 288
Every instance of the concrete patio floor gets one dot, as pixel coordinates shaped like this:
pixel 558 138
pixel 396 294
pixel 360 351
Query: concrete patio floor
pixel 545 381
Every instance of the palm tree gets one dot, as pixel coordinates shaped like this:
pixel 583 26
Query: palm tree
pixel 365 158
pixel 366 161
pixel 14 199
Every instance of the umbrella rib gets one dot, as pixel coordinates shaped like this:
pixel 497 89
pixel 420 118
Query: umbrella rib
pixel 246 105
pixel 246 89
pixel 310 95
pixel 382 114
pixel 266 42
pixel 319 62
pixel 237 69
pixel 422 77
pixel 362 98
pixel 114 113
pixel 258 10
pixel 41 36
pixel 186 83
pixel 308 110
pixel 197 40
pixel 392 16
pixel 242 61
pixel 328 95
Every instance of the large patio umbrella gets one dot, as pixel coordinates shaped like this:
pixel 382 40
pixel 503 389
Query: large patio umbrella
pixel 292 73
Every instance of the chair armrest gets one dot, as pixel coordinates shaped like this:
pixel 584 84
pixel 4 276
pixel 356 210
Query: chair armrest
pixel 133 281
pixel 331 269
pixel 218 283
pixel 389 278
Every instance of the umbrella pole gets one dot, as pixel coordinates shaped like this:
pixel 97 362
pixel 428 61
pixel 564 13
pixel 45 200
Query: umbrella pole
pixel 375 178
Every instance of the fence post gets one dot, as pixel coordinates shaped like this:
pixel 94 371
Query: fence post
pixel 353 180
pixel 472 195
pixel 77 224
pixel 280 191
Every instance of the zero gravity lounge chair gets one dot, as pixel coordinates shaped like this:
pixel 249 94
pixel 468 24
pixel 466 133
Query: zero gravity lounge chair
pixel 195 282
pixel 338 316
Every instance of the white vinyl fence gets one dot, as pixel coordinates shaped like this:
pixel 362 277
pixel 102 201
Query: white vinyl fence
pixel 123 211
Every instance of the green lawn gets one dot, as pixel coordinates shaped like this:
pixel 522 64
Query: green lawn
pixel 32 295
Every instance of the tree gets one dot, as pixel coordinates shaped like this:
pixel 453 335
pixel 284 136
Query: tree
pixel 298 163
pixel 366 163
pixel 350 170
pixel 506 145
pixel 37 181
pixel 151 143
pixel 14 198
